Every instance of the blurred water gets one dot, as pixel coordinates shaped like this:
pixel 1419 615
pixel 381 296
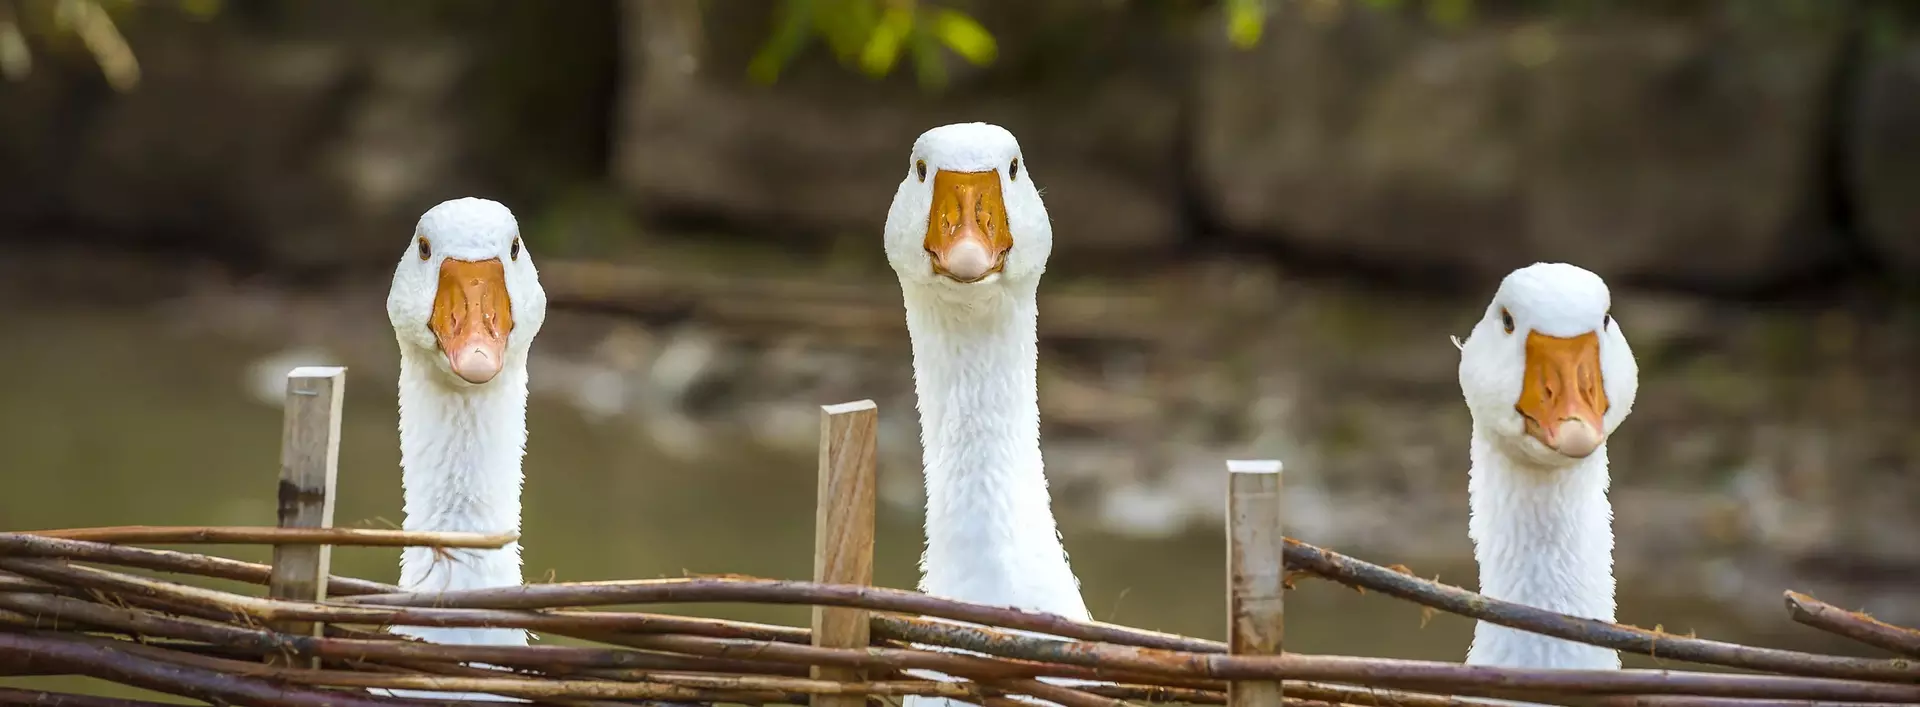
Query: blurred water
pixel 109 420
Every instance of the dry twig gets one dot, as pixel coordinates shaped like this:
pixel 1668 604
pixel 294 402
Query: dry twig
pixel 197 534
pixel 1855 625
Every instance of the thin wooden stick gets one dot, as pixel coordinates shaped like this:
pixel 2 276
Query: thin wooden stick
pixel 553 621
pixel 773 591
pixel 932 688
pixel 11 583
pixel 1325 692
pixel 937 688
pixel 1041 650
pixel 1685 701
pixel 1256 572
pixel 261 609
pixel 43 698
pixel 1155 693
pixel 1857 626
pixel 211 604
pixel 909 631
pixel 51 608
pixel 467 679
pixel 126 668
pixel 1057 694
pixel 309 470
pixel 1102 661
pixel 1299 555
pixel 167 604
pixel 1631 639
pixel 843 533
pixel 241 535
pixel 31 545
pixel 967 692
pixel 308 676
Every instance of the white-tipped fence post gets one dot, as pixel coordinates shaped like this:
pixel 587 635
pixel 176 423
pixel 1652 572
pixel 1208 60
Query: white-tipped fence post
pixel 309 466
pixel 1256 574
pixel 843 533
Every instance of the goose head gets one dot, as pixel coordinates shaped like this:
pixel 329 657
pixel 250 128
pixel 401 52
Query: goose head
pixel 967 217
pixel 1547 372
pixel 466 295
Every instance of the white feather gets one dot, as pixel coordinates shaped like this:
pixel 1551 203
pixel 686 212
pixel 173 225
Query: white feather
pixel 991 536
pixel 1541 523
pixel 461 444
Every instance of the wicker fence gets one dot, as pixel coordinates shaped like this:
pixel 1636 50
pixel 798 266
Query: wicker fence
pixel 67 607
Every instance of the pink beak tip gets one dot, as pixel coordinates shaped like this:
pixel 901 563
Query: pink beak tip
pixel 475 365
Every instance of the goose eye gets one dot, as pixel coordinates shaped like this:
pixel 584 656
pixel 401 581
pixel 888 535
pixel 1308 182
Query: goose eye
pixel 921 168
pixel 1606 320
pixel 1013 170
pixel 1506 320
pixel 514 252
pixel 426 251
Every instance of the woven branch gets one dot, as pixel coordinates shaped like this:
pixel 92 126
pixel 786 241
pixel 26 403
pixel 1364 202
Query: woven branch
pixel 215 535
pixel 1857 626
pixel 47 603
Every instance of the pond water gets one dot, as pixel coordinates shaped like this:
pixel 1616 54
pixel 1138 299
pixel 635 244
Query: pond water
pixel 111 419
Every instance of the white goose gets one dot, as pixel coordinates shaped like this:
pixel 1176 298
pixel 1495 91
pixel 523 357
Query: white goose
pixel 465 305
pixel 1548 377
pixel 969 238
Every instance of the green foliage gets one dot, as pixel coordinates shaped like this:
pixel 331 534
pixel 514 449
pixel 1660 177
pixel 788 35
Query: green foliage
pixel 1245 21
pixel 870 35
pixel 1449 13
pixel 89 21
pixel 1889 23
pixel 1444 13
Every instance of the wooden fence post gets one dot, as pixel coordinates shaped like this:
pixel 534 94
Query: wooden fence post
pixel 843 533
pixel 1256 574
pixel 309 466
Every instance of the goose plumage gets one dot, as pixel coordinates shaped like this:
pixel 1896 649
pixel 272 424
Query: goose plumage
pixel 1548 377
pixel 465 305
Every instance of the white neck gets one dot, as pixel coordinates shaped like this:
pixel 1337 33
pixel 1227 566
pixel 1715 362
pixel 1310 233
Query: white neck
pixel 460 452
pixel 991 536
pixel 1543 538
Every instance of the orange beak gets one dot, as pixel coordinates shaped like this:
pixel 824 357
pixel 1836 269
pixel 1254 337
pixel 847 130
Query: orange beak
pixel 472 317
pixel 967 225
pixel 1563 397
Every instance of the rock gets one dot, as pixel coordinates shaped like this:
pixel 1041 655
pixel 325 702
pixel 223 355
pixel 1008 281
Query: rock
pixel 821 151
pixel 1634 146
pixel 300 135
pixel 1885 159
pixel 1687 148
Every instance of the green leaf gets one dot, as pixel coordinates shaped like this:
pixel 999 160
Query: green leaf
pixel 926 62
pixel 846 25
pixel 1246 19
pixel 201 9
pixel 16 60
pixel 964 36
pixel 1449 13
pixel 792 27
pixel 883 46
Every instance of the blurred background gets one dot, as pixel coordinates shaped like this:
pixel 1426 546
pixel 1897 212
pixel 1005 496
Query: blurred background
pixel 1270 216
